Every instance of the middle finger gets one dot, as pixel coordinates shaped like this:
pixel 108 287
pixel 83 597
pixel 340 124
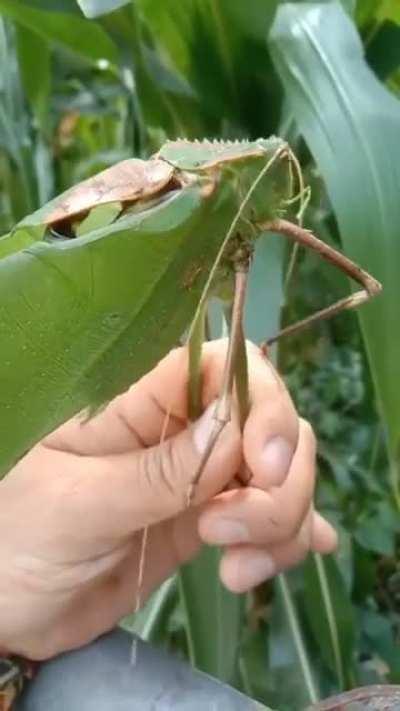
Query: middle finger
pixel 252 515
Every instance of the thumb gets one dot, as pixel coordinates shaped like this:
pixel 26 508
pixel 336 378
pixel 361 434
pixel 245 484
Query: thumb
pixel 151 485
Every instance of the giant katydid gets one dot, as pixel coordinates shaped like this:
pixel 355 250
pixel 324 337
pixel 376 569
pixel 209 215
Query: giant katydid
pixel 97 285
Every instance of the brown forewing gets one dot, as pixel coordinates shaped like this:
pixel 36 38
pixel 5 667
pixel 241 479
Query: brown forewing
pixel 125 182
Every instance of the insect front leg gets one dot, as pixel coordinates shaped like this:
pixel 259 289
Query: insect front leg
pixel 222 414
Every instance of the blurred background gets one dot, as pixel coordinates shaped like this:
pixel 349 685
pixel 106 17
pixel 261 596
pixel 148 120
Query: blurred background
pixel 87 83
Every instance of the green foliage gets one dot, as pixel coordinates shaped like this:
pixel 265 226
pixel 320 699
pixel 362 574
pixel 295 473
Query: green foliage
pixel 350 142
pixel 114 87
pixel 94 8
pixel 330 616
pixel 78 35
pixel 72 362
pixel 213 627
pixel 290 664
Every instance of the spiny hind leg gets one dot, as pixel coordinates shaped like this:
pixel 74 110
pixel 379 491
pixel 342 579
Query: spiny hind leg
pixel 299 235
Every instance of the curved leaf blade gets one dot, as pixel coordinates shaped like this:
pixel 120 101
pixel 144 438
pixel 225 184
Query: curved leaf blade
pixel 90 315
pixel 289 660
pixel 350 120
pixel 330 616
pixel 214 617
pixel 96 8
pixel 52 5
pixel 265 289
pixel 83 37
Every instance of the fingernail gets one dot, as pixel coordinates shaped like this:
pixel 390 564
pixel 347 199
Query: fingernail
pixel 276 457
pixel 256 567
pixel 203 428
pixel 224 531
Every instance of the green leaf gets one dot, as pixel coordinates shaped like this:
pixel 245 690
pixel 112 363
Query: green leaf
pixel 253 18
pixel 264 294
pixel 95 8
pixel 206 41
pixel 366 11
pixel 379 632
pixel 32 51
pixel 10 99
pixel 83 37
pixel 15 130
pixel 330 616
pixel 165 103
pixel 96 312
pixel 52 5
pixel 350 123
pixel 150 620
pixel 380 541
pixel 214 617
pixel 377 531
pixel 389 10
pixel 350 6
pixel 383 51
pixel 289 662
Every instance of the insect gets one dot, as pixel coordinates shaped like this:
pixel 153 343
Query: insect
pixel 86 313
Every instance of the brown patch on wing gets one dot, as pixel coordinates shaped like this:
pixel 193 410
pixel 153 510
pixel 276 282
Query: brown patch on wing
pixel 128 181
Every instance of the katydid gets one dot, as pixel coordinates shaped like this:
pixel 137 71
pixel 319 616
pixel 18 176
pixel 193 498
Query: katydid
pixel 101 282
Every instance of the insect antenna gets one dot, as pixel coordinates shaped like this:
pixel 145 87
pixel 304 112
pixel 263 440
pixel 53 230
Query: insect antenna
pixel 303 196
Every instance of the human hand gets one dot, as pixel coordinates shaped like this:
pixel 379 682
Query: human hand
pixel 73 510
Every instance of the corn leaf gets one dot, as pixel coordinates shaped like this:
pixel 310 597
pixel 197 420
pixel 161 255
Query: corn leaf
pixel 351 125
pixel 206 42
pixel 83 37
pixel 290 666
pixel 214 617
pixel 95 8
pixel 330 616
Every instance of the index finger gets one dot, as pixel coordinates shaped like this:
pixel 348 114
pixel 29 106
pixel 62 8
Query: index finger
pixel 271 432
